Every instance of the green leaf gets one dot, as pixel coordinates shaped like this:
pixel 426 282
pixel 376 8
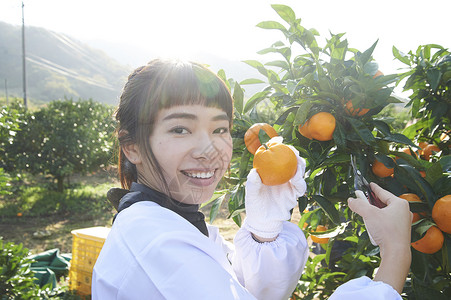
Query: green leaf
pixel 400 138
pixel 408 158
pixel 434 76
pixel 411 131
pixel 412 179
pixel 339 135
pixel 222 75
pixel 386 160
pixel 365 56
pixel 328 207
pixel 434 172
pixel 382 127
pixel 257 65
pixel 302 203
pixel 271 25
pixel 281 119
pixel 400 56
pixel 251 81
pixel 263 137
pixel 285 12
pixel 445 162
pixel 302 113
pixel 216 205
pixel 244 162
pixel 254 100
pixel 362 131
pixel 238 97
pixel 279 63
pixel 335 159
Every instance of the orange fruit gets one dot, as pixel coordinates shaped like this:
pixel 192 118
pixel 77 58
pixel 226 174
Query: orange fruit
pixel 322 126
pixel 251 136
pixel 303 129
pixel 275 162
pixel 19 214
pixel 378 73
pixel 431 242
pixel 427 151
pixel 380 170
pixel 413 198
pixel 422 145
pixel 355 111
pixel 441 213
pixel 408 151
pixel 423 174
pixel 319 240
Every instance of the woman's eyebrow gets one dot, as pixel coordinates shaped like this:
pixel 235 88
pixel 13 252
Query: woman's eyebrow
pixel 180 116
pixel 193 117
pixel 220 117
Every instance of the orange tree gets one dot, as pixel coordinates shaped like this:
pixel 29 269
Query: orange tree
pixel 309 79
pixel 428 77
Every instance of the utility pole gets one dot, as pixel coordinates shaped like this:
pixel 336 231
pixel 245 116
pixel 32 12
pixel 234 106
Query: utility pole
pixel 23 61
pixel 6 91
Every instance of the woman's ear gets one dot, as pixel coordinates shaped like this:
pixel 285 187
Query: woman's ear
pixel 132 153
pixel 131 150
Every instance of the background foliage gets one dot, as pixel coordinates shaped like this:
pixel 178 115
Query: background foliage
pixel 61 139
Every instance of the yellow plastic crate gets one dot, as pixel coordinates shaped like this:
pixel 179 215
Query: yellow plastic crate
pixel 86 246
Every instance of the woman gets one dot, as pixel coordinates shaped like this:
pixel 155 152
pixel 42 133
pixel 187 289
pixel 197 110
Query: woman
pixel 174 120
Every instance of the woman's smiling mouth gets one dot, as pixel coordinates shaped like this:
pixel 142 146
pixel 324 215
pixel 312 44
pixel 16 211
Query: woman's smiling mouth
pixel 200 177
pixel 199 174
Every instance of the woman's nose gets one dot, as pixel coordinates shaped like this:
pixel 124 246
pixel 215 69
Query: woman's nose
pixel 204 147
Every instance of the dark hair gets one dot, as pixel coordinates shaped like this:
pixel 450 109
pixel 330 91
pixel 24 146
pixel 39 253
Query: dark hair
pixel 162 84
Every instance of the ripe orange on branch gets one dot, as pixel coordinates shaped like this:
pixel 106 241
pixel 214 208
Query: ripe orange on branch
pixel 319 240
pixel 380 170
pixel 413 198
pixel 441 213
pixel 431 242
pixel 251 136
pixel 275 162
pixel 355 111
pixel 320 126
pixel 303 129
pixel 378 73
pixel 428 150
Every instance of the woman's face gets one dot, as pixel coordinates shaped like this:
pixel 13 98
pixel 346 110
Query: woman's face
pixel 193 145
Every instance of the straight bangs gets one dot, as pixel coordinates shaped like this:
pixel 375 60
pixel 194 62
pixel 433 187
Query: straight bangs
pixel 187 83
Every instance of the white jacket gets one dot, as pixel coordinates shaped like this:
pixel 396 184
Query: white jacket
pixel 153 253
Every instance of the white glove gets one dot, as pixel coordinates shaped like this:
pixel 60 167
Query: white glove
pixel 268 206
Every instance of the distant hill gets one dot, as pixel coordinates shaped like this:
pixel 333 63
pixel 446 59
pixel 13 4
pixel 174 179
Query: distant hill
pixel 58 66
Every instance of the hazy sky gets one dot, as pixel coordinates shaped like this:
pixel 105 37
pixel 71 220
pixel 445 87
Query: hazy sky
pixel 181 28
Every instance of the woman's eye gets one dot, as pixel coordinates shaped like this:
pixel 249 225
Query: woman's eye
pixel 221 130
pixel 179 130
